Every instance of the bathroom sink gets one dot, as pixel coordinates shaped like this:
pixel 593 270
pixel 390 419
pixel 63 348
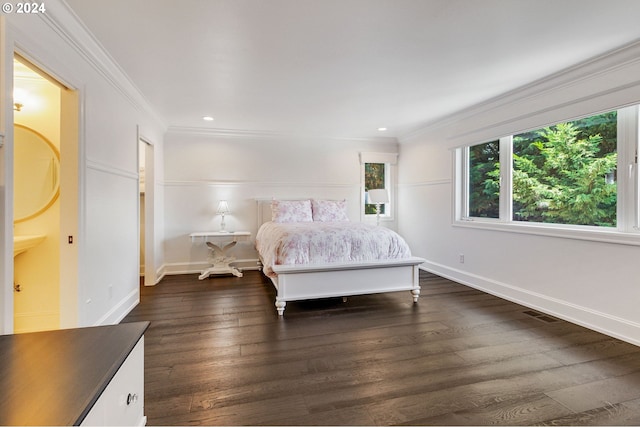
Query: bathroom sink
pixel 24 243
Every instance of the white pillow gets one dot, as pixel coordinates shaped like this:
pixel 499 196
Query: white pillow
pixel 329 210
pixel 291 211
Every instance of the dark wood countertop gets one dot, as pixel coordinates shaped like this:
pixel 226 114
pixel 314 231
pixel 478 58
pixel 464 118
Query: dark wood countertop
pixel 54 377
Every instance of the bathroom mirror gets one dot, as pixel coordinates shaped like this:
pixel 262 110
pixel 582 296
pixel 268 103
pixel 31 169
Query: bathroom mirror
pixel 36 172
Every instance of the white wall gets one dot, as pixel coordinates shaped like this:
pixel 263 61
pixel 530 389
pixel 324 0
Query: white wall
pixel 591 283
pixel 111 110
pixel 203 168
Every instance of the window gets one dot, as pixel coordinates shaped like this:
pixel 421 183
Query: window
pixel 375 177
pixel 565 175
pixel 483 185
pixel 377 172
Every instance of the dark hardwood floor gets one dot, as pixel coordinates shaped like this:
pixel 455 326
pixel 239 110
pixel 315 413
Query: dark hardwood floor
pixel 217 354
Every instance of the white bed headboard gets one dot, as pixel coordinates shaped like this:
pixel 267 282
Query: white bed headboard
pixel 264 211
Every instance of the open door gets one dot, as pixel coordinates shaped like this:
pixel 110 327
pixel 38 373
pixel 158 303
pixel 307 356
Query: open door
pixel 147 219
pixel 69 208
pixel 6 172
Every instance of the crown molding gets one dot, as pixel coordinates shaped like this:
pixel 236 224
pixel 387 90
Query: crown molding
pixel 218 132
pixel 598 67
pixel 64 22
pixel 254 184
pixel 263 134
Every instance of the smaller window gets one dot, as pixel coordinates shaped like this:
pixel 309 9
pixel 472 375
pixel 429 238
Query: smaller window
pixel 483 183
pixel 375 177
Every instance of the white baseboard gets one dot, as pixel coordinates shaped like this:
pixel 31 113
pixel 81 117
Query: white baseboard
pixel 598 321
pixel 120 310
pixel 160 273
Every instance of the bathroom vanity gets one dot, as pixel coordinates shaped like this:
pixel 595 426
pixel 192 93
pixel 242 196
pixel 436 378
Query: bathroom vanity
pixel 83 376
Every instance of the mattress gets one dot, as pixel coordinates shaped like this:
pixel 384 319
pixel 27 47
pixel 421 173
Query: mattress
pixel 325 243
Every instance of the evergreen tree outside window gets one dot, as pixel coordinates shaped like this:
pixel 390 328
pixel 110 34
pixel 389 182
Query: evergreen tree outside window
pixel 576 179
pixel 374 178
pixel 566 173
pixel 484 180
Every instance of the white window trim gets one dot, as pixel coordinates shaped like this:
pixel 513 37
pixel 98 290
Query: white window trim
pixel 627 231
pixel 628 185
pixel 389 160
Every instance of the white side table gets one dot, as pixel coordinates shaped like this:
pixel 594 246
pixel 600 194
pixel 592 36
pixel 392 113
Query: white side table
pixel 219 259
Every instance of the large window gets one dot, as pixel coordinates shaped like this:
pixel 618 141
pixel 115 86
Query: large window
pixel 565 174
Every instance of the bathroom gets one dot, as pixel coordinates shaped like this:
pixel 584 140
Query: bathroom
pixel 37 113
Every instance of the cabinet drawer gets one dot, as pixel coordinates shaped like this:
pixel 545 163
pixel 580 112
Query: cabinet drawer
pixel 122 402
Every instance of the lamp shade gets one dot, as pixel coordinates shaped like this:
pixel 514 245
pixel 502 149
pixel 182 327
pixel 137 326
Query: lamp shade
pixel 378 196
pixel 223 207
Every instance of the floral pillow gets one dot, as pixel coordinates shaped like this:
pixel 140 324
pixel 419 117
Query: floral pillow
pixel 291 211
pixel 329 210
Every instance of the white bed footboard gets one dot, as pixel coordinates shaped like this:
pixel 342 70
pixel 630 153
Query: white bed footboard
pixel 311 281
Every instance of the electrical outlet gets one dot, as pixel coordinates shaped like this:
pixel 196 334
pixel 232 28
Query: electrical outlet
pixel 461 258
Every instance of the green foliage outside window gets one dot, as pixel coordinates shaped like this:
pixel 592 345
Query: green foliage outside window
pixel 562 174
pixel 565 174
pixel 374 179
pixel 484 180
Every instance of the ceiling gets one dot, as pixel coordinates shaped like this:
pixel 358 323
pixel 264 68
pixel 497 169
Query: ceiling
pixel 344 68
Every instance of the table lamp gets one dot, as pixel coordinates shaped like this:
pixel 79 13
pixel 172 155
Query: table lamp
pixel 378 197
pixel 223 209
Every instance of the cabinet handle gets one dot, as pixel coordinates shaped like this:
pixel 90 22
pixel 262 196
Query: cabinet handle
pixel 131 398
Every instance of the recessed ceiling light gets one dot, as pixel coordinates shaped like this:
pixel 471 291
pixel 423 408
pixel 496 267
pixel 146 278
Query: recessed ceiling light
pixel 381 129
pixel 208 118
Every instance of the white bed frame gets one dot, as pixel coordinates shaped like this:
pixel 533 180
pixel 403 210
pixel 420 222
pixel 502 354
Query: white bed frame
pixel 311 281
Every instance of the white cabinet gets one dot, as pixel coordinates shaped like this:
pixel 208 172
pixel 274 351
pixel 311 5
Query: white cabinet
pixel 85 378
pixel 122 402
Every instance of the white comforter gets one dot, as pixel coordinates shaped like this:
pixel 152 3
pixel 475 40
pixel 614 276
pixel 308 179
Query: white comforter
pixel 326 242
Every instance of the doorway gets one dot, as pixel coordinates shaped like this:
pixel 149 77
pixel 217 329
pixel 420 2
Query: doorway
pixel 44 199
pixel 146 216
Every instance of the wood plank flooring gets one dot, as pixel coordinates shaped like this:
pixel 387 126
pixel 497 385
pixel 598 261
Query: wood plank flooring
pixel 217 354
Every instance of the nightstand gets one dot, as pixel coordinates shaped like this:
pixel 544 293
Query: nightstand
pixel 220 242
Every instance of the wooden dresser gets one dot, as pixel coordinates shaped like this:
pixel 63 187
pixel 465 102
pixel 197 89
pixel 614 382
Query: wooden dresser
pixel 84 376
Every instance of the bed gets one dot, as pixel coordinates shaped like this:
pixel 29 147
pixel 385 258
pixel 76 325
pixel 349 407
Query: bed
pixel 309 249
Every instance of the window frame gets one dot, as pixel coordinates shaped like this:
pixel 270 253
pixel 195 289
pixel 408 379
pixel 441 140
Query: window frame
pixel 505 157
pixel 384 206
pixel 627 229
pixel 389 160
